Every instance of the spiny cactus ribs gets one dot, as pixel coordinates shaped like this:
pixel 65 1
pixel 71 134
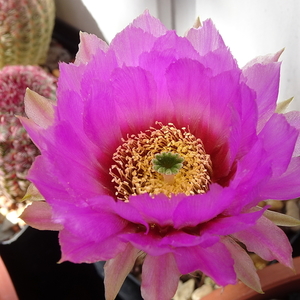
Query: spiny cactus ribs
pixel 17 152
pixel 25 29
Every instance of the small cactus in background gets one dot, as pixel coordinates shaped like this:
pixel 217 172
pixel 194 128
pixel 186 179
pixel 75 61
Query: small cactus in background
pixel 25 31
pixel 17 152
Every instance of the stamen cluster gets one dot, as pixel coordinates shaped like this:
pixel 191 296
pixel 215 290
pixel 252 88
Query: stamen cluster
pixel 133 171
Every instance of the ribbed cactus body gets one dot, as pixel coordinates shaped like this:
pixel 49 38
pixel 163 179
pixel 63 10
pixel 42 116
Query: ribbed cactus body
pixel 25 31
pixel 17 152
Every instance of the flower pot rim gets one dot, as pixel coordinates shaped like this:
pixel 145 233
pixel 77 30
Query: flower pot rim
pixel 276 280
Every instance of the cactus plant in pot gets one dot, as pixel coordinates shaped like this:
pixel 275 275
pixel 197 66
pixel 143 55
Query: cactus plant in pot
pixel 25 29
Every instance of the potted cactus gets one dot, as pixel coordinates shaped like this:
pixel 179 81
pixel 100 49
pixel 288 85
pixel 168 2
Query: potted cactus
pixel 25 29
pixel 17 151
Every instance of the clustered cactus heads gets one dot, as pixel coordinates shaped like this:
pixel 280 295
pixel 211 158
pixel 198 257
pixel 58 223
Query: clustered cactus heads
pixel 25 31
pixel 17 152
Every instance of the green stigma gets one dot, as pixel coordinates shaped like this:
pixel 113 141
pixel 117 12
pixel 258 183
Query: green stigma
pixel 167 163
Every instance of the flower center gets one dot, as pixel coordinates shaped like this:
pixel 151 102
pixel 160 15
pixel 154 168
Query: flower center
pixel 161 160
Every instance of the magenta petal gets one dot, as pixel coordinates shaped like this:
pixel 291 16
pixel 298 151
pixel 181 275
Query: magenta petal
pixel 196 93
pixel 79 168
pixel 231 224
pixel 158 209
pixel 293 119
pixel 70 110
pixel 149 24
pixel 123 209
pixel 264 79
pixel 243 264
pixel 268 241
pixel 149 242
pixel 48 183
pixel 176 46
pixel 39 109
pixel 80 250
pixel 214 261
pixel 98 225
pixel 194 210
pixel 266 59
pixel 116 270
pixel 39 215
pixel 34 131
pixel 130 43
pixel 189 87
pixel 182 239
pixel 160 277
pixel 94 240
pixel 278 134
pixel 69 79
pixel 290 180
pixel 89 44
pixel 206 38
pixel 99 69
pixel 135 97
pixel 219 61
pixel 101 121
pixel 250 177
pixel 156 63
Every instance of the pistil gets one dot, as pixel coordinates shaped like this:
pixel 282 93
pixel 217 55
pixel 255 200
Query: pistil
pixel 168 164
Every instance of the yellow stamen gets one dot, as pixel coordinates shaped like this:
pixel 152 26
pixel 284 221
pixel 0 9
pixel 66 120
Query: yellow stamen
pixel 133 172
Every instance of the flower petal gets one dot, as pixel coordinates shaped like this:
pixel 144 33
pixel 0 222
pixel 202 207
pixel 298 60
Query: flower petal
pixel 70 76
pixel 39 109
pixel 182 239
pixel 196 209
pixel 149 24
pixel 135 97
pixel 293 118
pixel 176 46
pixel 154 270
pixel 89 44
pixel 149 242
pixel 94 240
pixel 282 106
pixel 39 215
pixel 100 102
pixel 285 186
pixel 243 264
pixel 116 270
pixel 196 93
pixel 135 41
pixel 264 80
pixel 281 219
pixel 278 134
pixel 231 224
pixel 95 230
pixel 214 261
pixel 205 38
pixel 80 169
pixel 33 194
pixel 265 59
pixel 158 209
pixel 268 241
pixel 80 250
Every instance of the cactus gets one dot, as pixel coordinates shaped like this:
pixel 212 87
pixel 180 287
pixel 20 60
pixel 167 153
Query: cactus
pixel 25 31
pixel 17 152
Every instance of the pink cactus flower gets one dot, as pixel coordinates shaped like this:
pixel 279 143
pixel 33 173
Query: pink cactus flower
pixel 162 146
